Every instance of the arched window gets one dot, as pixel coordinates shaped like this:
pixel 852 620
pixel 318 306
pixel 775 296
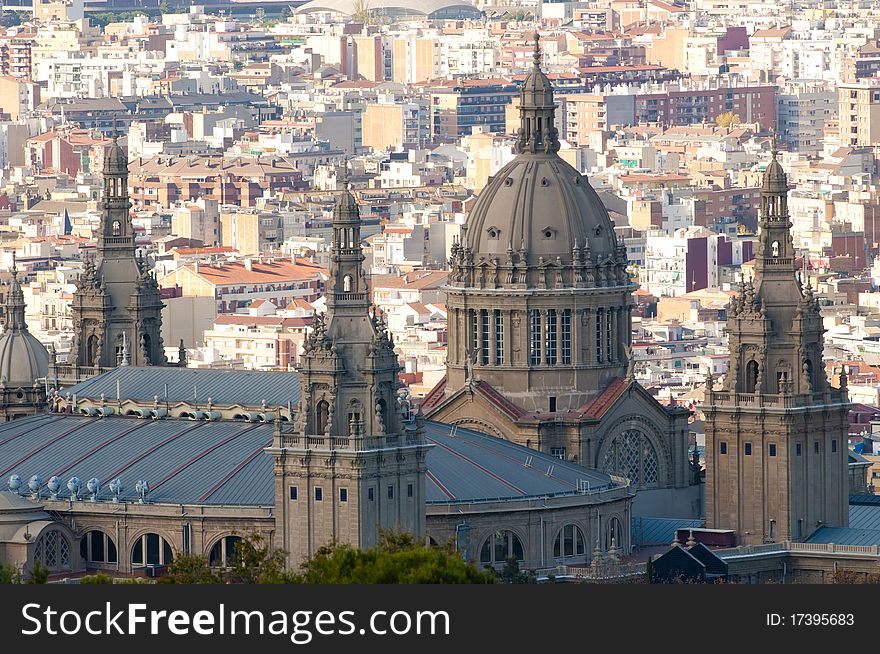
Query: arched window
pixel 382 408
pixel 117 228
pixel 550 337
pixel 322 412
pixel 808 372
pixel 53 550
pixel 97 547
pixel 569 542
pixel 632 455
pixel 535 337
pixel 499 547
pixel 148 347
pixel 613 533
pixel 92 346
pixel 775 248
pixel 223 553
pixel 151 549
pixel 751 380
pixel 346 284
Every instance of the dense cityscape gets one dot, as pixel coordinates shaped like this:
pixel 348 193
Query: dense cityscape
pixel 575 291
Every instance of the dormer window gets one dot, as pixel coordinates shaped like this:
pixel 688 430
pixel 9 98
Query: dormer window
pixel 549 233
pixel 508 181
pixel 494 232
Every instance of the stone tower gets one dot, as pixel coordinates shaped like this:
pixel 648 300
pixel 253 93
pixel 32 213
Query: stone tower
pixel 540 303
pixel 117 301
pixel 24 362
pixel 355 460
pixel 776 432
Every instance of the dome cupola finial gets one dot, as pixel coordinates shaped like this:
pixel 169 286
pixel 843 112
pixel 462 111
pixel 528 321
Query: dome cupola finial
pixel 537 110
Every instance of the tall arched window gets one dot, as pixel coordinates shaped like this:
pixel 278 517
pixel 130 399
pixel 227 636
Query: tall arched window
pixel 569 542
pixel 346 284
pixel 751 378
pixel 774 247
pixel 53 550
pixel 499 547
pixel 97 547
pixel 499 337
pixel 322 411
pixel 117 228
pixel 613 533
pixel 151 549
pixel 550 337
pixel 535 337
pixel 148 347
pixel 92 346
pixel 223 553
pixel 632 455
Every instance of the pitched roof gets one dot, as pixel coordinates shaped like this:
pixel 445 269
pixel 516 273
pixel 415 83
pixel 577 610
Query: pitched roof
pixel 235 272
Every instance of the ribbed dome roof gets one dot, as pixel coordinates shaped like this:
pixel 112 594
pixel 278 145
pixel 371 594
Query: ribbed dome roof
pixel 542 204
pixel 775 179
pixel 538 202
pixel 23 359
pixel 115 159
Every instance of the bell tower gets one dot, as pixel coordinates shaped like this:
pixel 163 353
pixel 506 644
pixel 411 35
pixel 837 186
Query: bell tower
pixel 354 462
pixel 117 299
pixel 776 432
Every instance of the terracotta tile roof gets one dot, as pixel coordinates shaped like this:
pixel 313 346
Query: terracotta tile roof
pixel 602 402
pixel 415 280
pixel 235 272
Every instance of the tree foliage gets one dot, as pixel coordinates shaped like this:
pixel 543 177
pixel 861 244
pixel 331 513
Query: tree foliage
pixel 727 120
pixel 511 574
pixel 189 569
pixel 39 573
pixel 397 559
pixel 254 562
pixel 99 578
pixel 9 574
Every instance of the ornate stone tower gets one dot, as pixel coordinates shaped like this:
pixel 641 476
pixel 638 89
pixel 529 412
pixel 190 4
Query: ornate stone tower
pixel 540 307
pixel 355 461
pixel 117 301
pixel 776 432
pixel 24 362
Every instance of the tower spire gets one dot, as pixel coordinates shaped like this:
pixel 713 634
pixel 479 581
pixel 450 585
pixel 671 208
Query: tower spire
pixel 15 306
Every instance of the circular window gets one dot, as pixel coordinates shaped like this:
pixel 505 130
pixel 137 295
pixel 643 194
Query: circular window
pixel 548 233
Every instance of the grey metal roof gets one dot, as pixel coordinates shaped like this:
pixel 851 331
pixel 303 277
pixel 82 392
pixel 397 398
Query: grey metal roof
pixel 224 462
pixel 660 531
pixel 466 465
pixel 845 536
pixel 245 387
pixel 863 516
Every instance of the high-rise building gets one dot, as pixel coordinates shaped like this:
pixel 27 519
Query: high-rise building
pixel 116 307
pixel 355 461
pixel 776 431
pixel 859 113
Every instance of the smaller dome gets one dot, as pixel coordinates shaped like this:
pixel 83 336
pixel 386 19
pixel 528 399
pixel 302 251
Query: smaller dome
pixel 345 206
pixel 23 359
pixel 115 159
pixel 775 179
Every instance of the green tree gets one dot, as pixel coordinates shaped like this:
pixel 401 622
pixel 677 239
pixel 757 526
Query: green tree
pixel 9 574
pixel 99 578
pixel 397 559
pixel 511 574
pixel 253 562
pixel 39 573
pixel 190 569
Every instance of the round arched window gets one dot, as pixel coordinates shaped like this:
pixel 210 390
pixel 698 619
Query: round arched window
pixel 569 542
pixel 632 455
pixel 53 550
pixel 223 553
pixel 97 547
pixel 501 546
pixel 151 549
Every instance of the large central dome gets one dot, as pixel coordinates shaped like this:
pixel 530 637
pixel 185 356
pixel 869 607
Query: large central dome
pixel 541 204
pixel 538 203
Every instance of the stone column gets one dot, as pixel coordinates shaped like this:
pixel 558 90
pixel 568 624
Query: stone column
pixel 492 317
pixel 559 336
pixel 542 349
